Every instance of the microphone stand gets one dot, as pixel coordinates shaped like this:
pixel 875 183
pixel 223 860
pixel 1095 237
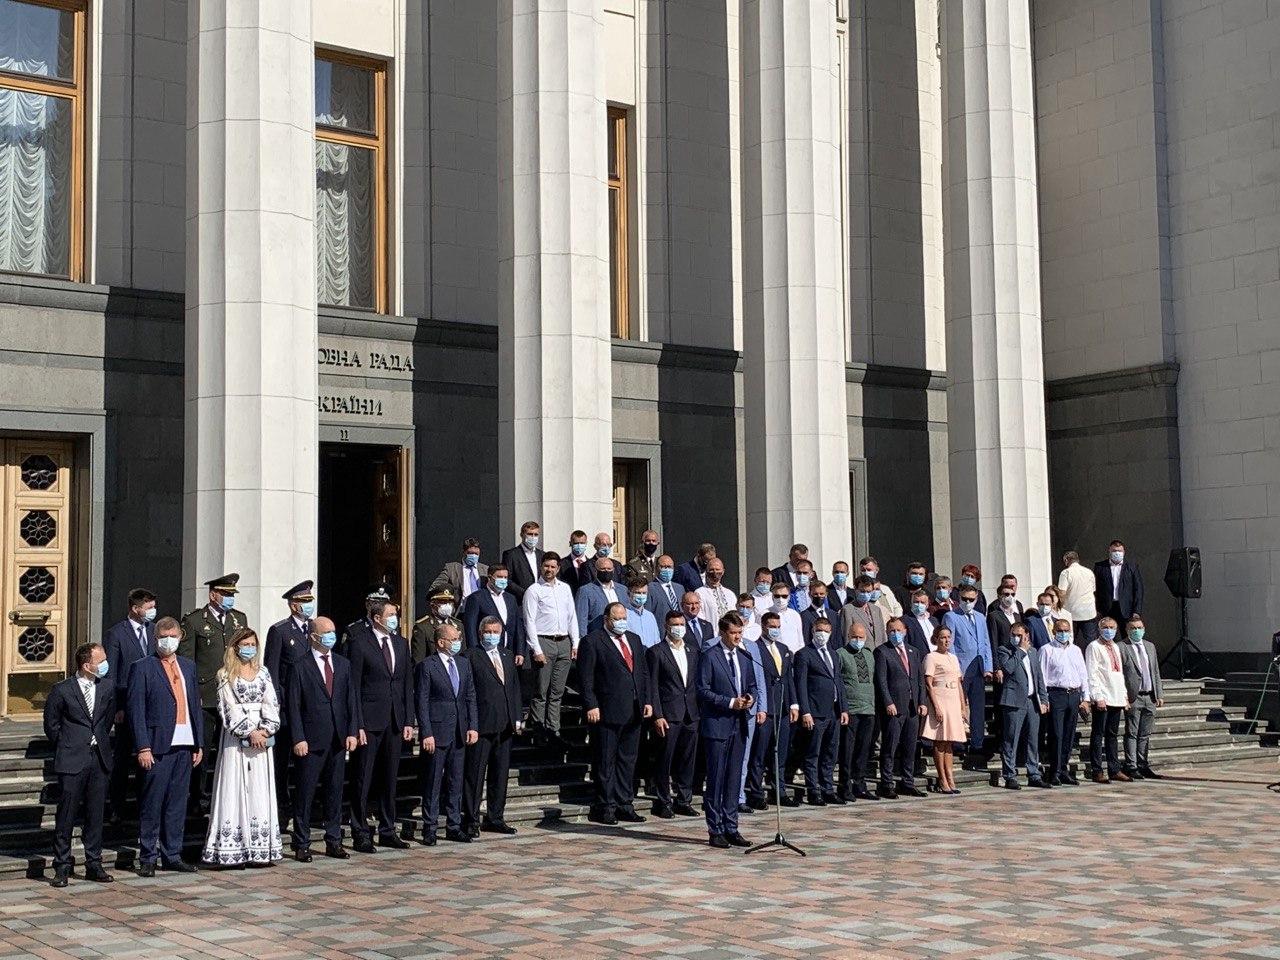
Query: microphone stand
pixel 779 840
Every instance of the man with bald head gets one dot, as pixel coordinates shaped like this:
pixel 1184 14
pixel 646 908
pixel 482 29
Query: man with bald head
pixel 664 593
pixel 716 596
pixel 447 725
pixel 324 725
pixel 858 673
pixel 645 563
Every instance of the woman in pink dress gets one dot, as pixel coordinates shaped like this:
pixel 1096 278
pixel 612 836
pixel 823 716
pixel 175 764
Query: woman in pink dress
pixel 947 722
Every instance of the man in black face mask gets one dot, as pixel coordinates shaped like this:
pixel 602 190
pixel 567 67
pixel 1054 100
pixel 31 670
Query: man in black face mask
pixel 644 565
pixel 594 598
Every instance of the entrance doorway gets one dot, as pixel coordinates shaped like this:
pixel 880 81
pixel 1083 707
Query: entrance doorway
pixel 364 528
pixel 630 507
pixel 36 541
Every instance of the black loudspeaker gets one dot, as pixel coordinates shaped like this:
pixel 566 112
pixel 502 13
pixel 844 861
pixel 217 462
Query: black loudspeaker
pixel 1182 576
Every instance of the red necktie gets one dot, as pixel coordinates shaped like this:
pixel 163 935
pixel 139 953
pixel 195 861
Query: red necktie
pixel 328 674
pixel 902 652
pixel 626 653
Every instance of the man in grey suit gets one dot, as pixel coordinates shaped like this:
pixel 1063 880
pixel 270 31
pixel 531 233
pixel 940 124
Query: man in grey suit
pixel 861 608
pixel 1023 698
pixel 664 592
pixel 1141 669
pixel 462 577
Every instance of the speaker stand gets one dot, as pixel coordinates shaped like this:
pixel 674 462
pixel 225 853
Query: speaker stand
pixel 1190 656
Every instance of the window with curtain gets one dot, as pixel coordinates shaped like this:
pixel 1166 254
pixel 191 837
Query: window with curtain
pixel 351 248
pixel 619 252
pixel 41 136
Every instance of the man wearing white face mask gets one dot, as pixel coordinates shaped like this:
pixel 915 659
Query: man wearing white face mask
pixel 673 672
pixel 125 643
pixel 971 645
pixel 1067 680
pixel 446 698
pixel 790 625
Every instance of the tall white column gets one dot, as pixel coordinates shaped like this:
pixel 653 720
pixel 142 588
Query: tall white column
pixel 995 402
pixel 797 441
pixel 250 481
pixel 555 419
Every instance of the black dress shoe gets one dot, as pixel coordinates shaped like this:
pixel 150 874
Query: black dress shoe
pixel 146 869
pixel 98 875
pixel 814 800
pixel 865 794
pixel 393 842
pixel 1054 782
pixel 717 840
pixel 59 879
pixel 1071 780
pixel 602 817
pixel 790 800
pixel 833 798
pixel 457 836
pixel 886 793
pixel 1135 774
pixel 302 856
pixel 1042 784
pixel 428 840
pixel 364 845
pixel 743 808
pixel 973 763
pixel 737 840
pixel 472 830
pixel 628 815
pixel 1012 785
pixel 684 809
pixel 1149 774
pixel 497 826
pixel 910 790
pixel 181 866
pixel 662 811
pixel 758 803
pixel 337 853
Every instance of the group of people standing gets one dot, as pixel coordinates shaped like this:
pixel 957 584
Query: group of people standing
pixel 736 692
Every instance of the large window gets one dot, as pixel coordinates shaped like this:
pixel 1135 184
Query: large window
pixel 42 136
pixel 351 202
pixel 619 283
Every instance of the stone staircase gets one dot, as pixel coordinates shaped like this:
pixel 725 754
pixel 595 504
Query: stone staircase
pixel 546 784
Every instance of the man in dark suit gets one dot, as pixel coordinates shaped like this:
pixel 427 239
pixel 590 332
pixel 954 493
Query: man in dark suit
pixel 673 673
pixel 287 641
pixel 1040 620
pixel 1118 590
pixel 524 560
pixel 375 594
pixel 691 574
pixel 697 631
pixel 447 724
pixel 577 566
pixel 789 572
pixel 816 610
pixel 168 735
pixel 916 618
pixel 664 593
pixel 1023 699
pixel 77 719
pixel 613 679
pixel 914 579
pixel 498 712
pixel 383 679
pixel 495 600
pixel 726 695
pixel 819 691
pixel 777 663
pixel 593 598
pixel 324 726
pixel 125 643
pixel 900 699
pixel 463 577
pixel 840 589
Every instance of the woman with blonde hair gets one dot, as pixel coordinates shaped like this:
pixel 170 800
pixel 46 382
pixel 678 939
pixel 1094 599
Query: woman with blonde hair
pixel 244 826
pixel 947 722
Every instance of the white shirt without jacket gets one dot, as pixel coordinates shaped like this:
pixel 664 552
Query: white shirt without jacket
pixel 1106 674
pixel 716 602
pixel 1077 584
pixel 548 611
pixel 1063 666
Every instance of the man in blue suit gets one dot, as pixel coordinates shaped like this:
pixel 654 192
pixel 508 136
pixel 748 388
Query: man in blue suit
pixel 819 691
pixel 125 643
pixel 324 726
pixel 783 710
pixel 1118 591
pixel 493 600
pixel 1023 698
pixel 691 573
pixel 1040 620
pixel 593 598
pixel 726 696
pixel 664 592
pixel 168 735
pixel 447 725
pixel 971 645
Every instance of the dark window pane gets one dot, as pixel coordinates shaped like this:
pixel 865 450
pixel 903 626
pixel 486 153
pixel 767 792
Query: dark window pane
pixel 344 96
pixel 612 138
pixel 37 40
pixel 35 183
pixel 616 319
pixel 344 225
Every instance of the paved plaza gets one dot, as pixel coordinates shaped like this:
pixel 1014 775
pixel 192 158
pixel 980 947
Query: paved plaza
pixel 1180 868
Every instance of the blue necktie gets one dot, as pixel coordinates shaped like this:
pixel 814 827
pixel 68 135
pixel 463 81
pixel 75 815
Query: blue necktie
pixel 453 676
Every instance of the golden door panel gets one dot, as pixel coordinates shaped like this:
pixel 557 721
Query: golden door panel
pixel 35 564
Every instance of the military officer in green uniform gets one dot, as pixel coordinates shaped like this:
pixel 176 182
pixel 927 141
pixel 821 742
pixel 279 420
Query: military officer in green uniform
pixel 442 610
pixel 205 633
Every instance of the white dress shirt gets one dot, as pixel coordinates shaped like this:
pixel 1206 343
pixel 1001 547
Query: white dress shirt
pixel 1116 568
pixel 1077 584
pixel 681 656
pixel 1063 666
pixel 531 558
pixel 792 631
pixel 385 638
pixel 926 624
pixel 1106 674
pixel 496 597
pixel 89 693
pixel 548 612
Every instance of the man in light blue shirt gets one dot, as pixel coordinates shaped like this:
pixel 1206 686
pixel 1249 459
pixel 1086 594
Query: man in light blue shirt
pixel 971 645
pixel 639 620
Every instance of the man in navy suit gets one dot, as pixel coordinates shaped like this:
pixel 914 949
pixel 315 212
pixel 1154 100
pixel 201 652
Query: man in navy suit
pixel 774 737
pixel 324 726
pixel 592 598
pixel 919 622
pixel 125 643
pixel 613 678
pixel 447 725
pixel 819 691
pixel 900 699
pixel 494 600
pixel 1040 620
pixel 691 574
pixel 1023 698
pixel 1118 590
pixel 287 641
pixel 383 678
pixel 577 566
pixel 168 736
pixel 524 560
pixel 789 572
pixel 664 593
pixel 77 719
pixel 697 631
pixel 726 695
pixel 840 589
pixel 673 673
pixel 816 610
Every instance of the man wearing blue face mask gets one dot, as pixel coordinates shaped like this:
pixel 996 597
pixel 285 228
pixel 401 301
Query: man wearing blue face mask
pixel 839 589
pixel 524 560
pixel 447 724
pixel 1067 680
pixel 324 726
pixel 914 579
pixel 664 593
pixel 205 634
pixel 495 600
pixel 864 610
pixel 287 642
pixel 643 624
pixel 498 712
pixel 971 645
pixel 613 678
pixel 1146 693
pixel 463 577
pixel 125 643
pixel 789 572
